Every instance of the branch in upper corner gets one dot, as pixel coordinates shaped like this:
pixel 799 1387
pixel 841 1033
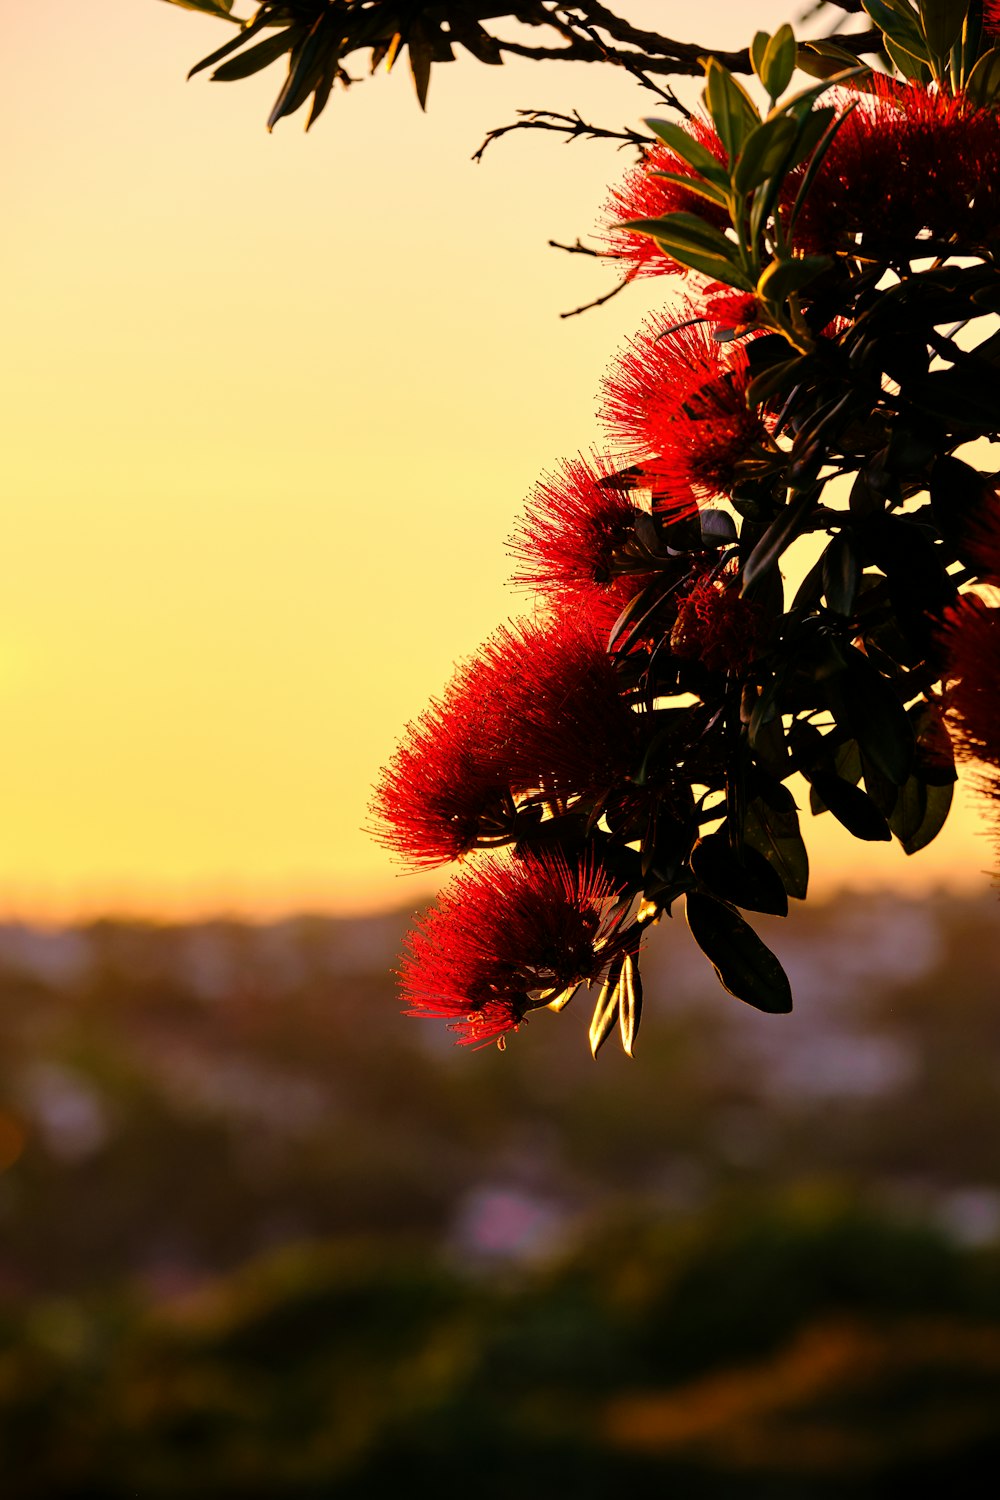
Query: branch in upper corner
pixel 598 301
pixel 315 38
pixel 572 126
pixel 578 248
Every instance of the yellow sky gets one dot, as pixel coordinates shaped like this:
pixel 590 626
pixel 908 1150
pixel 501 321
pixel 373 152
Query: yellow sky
pixel 271 405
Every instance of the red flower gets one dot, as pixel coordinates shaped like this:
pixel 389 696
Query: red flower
pixel 678 404
pixel 907 159
pixel 972 639
pixel 718 627
pixel 644 195
pixel 538 714
pixel 991 15
pixel 574 524
pixel 572 732
pixel 444 791
pixel 507 937
pixel 984 538
pixel 728 310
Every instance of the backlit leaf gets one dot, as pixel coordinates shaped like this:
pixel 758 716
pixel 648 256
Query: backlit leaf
pixel 746 967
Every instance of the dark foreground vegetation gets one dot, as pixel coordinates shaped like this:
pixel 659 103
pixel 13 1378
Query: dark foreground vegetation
pixel 261 1238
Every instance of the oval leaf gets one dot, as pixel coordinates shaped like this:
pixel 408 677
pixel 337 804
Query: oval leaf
pixel 745 966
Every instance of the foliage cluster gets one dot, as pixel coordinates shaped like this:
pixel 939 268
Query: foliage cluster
pixel 813 395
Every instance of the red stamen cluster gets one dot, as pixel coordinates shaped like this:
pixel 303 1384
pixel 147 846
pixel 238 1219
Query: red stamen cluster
pixel 574 524
pixel 991 16
pixel 717 627
pixel 506 937
pixel 445 790
pixel 728 311
pixel 539 715
pixel 572 730
pixel 972 641
pixel 908 159
pixel 972 638
pixel 678 405
pixel 645 195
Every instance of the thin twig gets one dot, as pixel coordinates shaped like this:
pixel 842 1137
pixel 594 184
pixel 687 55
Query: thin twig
pixel 579 249
pixel 597 302
pixel 573 126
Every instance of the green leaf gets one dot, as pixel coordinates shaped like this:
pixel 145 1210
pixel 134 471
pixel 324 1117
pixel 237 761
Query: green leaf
pixel 746 968
pixel 606 1010
pixel 774 833
pixel 960 498
pixel 783 278
pixel 920 813
pixel 691 242
pixel 758 47
pixel 210 7
pixel 788 524
pixel 824 59
pixel 693 152
pixel 467 30
pixel 822 146
pixel 255 58
pixel 698 185
pixel 421 54
pixel 800 104
pixel 906 63
pixel 850 806
pixel 629 1003
pixel 775 380
pixel 941 23
pixel 983 86
pixel 778 62
pixel 763 153
pixel 841 571
pixel 811 131
pixel 744 879
pixel 866 706
pixel 899 24
pixel 234 42
pixel 733 112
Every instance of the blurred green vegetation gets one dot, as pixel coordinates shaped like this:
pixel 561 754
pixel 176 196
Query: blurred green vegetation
pixel 262 1237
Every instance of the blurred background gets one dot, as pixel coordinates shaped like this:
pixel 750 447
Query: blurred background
pixel 270 408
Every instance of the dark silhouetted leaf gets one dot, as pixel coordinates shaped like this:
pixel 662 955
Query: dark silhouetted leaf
pixel 920 813
pixel 745 880
pixel 941 23
pixel 745 966
pixel 866 707
pixel 789 524
pixel 851 806
pixel 774 833
pixel 841 572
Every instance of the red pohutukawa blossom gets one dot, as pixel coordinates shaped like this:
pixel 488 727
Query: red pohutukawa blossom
pixel 984 540
pixel 907 159
pixel 444 791
pixel 572 730
pixel 727 310
pixel 972 639
pixel 718 627
pixel 644 195
pixel 991 15
pixel 574 523
pixel 678 405
pixel 538 714
pixel 508 936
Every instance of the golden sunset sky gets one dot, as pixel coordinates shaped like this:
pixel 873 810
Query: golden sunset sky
pixel 271 406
